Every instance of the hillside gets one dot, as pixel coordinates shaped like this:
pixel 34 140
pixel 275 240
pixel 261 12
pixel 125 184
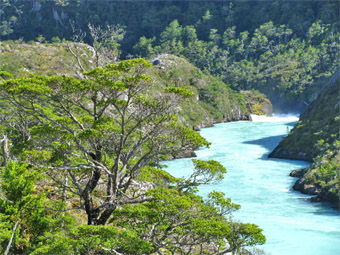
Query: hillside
pixel 214 101
pixel 43 58
pixel 29 19
pixel 284 49
pixel 315 138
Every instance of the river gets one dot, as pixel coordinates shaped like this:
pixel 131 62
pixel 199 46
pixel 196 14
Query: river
pixel 262 186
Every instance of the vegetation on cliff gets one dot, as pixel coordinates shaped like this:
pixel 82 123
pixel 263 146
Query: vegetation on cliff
pixel 316 138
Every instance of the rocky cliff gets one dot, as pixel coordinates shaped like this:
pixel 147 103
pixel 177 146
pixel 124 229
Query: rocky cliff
pixel 315 138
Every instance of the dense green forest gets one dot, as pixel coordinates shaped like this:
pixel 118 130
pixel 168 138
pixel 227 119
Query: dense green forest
pixel 285 49
pixel 23 19
pixel 274 60
pixel 86 120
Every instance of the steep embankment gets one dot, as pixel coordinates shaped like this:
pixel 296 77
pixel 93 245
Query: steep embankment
pixel 214 101
pixel 316 138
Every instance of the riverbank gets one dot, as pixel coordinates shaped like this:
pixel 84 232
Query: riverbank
pixel 316 139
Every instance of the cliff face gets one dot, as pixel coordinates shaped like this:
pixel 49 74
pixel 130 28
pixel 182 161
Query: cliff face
pixel 315 138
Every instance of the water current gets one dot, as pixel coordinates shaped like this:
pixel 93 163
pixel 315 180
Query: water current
pixel 292 224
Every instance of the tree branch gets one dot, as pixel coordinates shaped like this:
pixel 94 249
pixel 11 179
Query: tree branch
pixel 11 240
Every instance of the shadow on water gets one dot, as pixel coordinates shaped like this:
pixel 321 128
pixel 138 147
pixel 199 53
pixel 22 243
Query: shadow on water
pixel 324 208
pixel 268 142
pixel 292 124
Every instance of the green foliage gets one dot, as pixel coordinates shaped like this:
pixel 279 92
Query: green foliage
pixel 105 123
pixel 22 203
pixel 5 75
pixel 255 101
pixel 107 128
pixel 158 176
pixel 318 127
pixel 223 204
pixel 190 135
pixel 287 69
pixel 179 91
pixel 144 47
pixel 21 59
pixel 213 102
pixel 324 173
pixel 212 168
pixel 181 221
pixel 263 51
pixel 55 39
pixel 95 240
pixel 107 133
pixel 40 38
pixel 150 19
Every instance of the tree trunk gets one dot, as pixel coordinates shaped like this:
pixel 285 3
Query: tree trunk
pixel 106 215
pixel 5 151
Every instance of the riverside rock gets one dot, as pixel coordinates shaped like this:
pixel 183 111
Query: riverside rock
pixel 297 173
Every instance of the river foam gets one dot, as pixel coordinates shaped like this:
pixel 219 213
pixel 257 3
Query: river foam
pixel 275 117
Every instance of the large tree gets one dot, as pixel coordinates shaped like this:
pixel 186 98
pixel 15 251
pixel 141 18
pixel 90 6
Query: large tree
pixel 101 131
pixel 100 140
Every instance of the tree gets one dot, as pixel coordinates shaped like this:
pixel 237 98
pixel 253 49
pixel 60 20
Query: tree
pixel 181 222
pixel 108 133
pixel 175 219
pixel 105 42
pixel 24 220
pixel 88 239
pixel 105 46
pixel 3 116
pixel 144 47
pixel 100 131
pixel 171 38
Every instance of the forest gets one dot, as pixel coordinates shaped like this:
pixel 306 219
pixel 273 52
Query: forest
pixel 284 49
pixel 95 95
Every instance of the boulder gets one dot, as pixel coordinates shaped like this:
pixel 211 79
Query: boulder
pixel 156 62
pixel 297 173
pixel 306 189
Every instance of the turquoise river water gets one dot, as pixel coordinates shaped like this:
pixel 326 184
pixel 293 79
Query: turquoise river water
pixel 262 186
